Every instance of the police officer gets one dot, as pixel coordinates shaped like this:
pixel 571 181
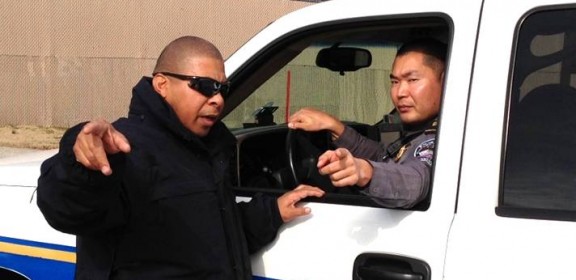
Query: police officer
pixel 397 175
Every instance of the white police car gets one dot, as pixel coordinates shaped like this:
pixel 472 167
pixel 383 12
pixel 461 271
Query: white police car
pixel 503 199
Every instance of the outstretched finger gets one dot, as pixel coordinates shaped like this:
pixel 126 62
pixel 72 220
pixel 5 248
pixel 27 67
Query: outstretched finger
pixel 303 191
pixel 287 202
pixel 342 153
pixel 89 152
pixel 89 147
pixel 115 142
pixel 96 127
pixel 327 158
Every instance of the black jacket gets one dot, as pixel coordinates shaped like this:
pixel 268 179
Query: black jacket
pixel 166 212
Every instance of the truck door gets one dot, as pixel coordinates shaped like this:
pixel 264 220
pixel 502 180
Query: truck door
pixel 517 206
pixel 281 70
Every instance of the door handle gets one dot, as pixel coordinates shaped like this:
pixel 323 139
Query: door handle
pixel 372 266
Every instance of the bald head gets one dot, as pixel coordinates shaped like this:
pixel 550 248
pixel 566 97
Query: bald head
pixel 179 52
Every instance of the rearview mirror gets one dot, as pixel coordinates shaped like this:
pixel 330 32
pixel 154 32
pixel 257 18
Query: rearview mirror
pixel 343 59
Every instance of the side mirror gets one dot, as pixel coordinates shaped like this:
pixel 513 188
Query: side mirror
pixel 343 59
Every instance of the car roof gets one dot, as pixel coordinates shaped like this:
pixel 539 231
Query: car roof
pixel 23 170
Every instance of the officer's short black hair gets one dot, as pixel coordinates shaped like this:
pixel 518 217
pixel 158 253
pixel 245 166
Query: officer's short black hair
pixel 428 46
pixel 434 49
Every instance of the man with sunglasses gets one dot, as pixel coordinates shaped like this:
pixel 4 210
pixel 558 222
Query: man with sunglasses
pixel 149 196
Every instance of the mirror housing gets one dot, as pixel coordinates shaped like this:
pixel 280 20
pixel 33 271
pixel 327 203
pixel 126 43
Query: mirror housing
pixel 343 59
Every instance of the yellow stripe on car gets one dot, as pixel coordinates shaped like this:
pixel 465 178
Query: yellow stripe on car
pixel 32 251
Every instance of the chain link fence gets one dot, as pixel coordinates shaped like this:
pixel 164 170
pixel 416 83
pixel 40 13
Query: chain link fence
pixel 67 61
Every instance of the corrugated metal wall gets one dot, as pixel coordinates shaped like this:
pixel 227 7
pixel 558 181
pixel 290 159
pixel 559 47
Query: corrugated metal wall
pixel 66 61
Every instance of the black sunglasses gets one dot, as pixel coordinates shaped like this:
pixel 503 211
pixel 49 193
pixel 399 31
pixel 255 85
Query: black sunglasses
pixel 206 86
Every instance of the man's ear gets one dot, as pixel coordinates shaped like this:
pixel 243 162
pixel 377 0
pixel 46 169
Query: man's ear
pixel 160 84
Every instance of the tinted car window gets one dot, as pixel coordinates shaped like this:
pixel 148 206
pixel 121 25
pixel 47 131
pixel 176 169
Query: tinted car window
pixel 539 178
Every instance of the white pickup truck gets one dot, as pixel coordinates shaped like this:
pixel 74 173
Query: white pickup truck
pixel 503 199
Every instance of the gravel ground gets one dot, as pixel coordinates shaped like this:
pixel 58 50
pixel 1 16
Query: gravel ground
pixel 9 151
pixel 22 139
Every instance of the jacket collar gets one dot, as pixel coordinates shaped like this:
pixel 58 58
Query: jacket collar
pixel 148 105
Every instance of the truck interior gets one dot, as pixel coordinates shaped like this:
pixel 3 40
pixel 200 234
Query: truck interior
pixel 341 68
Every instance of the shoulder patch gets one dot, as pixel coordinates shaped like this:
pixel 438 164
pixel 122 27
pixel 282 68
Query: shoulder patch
pixel 425 151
